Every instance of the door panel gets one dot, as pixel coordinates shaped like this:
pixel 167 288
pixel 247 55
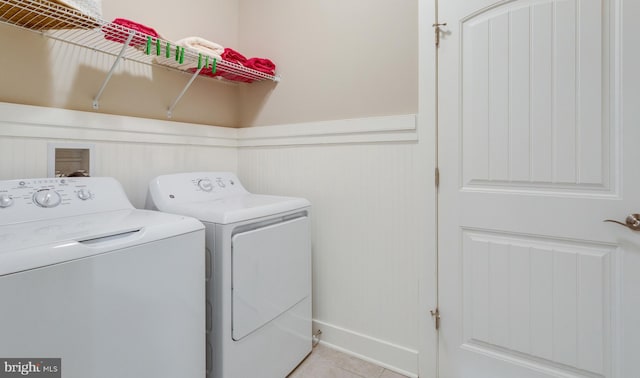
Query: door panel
pixel 533 115
pixel 532 160
pixel 534 298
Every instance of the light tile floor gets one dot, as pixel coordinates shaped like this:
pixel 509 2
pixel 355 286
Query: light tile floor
pixel 325 362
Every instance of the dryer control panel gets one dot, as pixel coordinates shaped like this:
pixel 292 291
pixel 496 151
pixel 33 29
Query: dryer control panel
pixel 46 198
pixel 195 187
pixel 216 197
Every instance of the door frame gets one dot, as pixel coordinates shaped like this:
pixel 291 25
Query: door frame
pixel 428 152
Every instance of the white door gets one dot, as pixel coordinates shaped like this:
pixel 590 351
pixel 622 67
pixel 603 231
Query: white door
pixel 539 122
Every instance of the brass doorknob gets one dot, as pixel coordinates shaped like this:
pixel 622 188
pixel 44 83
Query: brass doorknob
pixel 632 222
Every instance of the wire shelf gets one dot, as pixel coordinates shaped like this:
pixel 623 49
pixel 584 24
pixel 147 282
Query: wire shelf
pixel 62 23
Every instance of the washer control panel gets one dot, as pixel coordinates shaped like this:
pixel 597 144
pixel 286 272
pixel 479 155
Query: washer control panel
pixel 43 198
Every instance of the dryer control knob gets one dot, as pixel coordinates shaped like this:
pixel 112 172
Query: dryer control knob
pixel 84 194
pixel 5 200
pixel 206 185
pixel 47 198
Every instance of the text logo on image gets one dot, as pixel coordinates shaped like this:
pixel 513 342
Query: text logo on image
pixel 31 367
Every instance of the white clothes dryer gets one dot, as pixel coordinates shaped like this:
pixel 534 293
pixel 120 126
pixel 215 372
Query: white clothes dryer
pixel 110 290
pixel 259 272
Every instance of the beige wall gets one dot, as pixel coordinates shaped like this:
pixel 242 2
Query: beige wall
pixel 216 20
pixel 338 60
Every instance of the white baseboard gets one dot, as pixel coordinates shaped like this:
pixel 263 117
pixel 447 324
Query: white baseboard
pixel 393 357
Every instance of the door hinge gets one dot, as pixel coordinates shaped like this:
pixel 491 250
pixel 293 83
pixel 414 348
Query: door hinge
pixel 436 315
pixel 437 178
pixel 437 28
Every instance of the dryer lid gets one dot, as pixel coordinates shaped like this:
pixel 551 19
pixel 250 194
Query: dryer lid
pixel 237 208
pixel 216 197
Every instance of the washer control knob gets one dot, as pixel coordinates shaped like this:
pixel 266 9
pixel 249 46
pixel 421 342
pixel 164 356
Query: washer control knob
pixel 84 194
pixel 5 200
pixel 206 185
pixel 47 198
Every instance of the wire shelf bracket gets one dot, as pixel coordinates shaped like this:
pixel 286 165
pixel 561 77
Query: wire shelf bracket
pixel 96 100
pixel 184 90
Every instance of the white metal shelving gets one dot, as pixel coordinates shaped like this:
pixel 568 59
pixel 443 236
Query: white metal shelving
pixel 69 25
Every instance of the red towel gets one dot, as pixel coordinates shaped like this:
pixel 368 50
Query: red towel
pixel 118 35
pixel 261 64
pixel 232 56
pixel 229 55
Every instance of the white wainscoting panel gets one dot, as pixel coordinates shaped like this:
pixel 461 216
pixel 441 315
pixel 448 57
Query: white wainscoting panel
pixel 368 216
pixel 133 150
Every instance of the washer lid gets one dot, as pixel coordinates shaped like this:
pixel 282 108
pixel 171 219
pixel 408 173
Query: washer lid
pixel 30 245
pixel 29 200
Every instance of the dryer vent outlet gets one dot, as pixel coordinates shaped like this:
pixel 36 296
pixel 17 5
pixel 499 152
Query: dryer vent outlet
pixel 70 160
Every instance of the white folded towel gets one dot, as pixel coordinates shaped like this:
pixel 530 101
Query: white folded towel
pixel 208 49
pixel 91 8
pixel 202 46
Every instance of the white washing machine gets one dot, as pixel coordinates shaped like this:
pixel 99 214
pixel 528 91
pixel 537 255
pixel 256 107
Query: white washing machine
pixel 110 290
pixel 259 276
